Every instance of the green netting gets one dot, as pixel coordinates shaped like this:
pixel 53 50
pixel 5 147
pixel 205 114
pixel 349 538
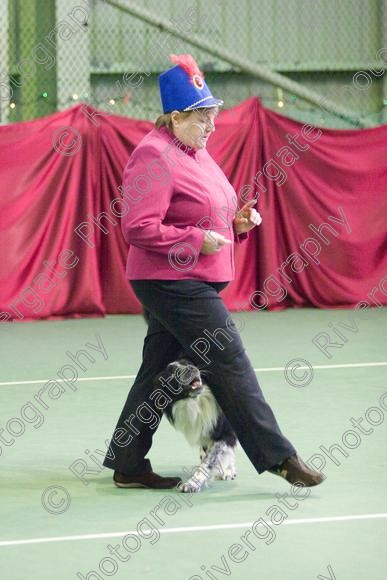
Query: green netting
pixel 334 49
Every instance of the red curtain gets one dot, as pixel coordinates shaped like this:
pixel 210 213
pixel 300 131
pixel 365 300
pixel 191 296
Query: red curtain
pixel 58 173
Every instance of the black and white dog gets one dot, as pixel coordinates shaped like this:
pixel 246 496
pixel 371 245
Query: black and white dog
pixel 193 410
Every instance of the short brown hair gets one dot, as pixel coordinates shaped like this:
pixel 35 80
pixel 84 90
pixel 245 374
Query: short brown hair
pixel 166 119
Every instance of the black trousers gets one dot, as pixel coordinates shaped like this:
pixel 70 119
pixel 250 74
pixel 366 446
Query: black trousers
pixel 181 313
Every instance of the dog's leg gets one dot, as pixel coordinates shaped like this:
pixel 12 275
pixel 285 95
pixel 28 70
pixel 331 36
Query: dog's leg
pixel 197 481
pixel 228 467
pixel 217 457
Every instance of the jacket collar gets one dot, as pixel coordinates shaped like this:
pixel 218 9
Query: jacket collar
pixel 173 139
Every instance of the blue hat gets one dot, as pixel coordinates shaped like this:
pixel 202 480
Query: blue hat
pixel 183 87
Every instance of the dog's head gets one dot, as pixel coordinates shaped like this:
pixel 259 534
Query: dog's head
pixel 181 379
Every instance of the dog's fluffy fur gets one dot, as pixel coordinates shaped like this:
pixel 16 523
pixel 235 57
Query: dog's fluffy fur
pixel 193 410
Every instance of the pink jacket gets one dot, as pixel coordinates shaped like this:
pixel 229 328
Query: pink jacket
pixel 174 195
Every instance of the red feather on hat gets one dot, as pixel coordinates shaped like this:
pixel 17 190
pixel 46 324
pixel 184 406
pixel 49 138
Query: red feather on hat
pixel 188 63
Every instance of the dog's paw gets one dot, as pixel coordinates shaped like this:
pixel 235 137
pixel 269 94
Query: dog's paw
pixel 228 474
pixel 190 486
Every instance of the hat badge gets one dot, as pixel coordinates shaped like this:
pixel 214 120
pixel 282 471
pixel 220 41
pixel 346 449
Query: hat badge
pixel 198 81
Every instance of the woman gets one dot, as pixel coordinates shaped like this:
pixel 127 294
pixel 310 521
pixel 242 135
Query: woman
pixel 181 227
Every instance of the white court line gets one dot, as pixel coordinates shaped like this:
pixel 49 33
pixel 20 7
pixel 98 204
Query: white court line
pixel 191 529
pixel 259 370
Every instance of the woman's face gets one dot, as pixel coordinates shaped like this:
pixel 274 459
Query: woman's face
pixel 195 129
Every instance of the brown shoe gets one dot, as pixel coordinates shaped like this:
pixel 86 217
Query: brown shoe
pixel 295 470
pixel 148 480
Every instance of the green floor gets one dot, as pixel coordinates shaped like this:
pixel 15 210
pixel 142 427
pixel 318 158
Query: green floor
pixel 321 536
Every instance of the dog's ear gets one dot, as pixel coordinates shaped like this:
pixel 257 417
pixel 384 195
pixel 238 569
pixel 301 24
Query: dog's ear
pixel 186 360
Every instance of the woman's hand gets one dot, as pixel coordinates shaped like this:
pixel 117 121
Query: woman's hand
pixel 213 242
pixel 247 218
